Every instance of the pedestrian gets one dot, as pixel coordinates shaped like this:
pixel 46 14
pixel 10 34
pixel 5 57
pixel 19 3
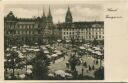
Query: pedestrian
pixel 93 67
pixel 64 57
pixel 67 64
pixel 85 64
pixel 96 62
pixel 90 68
pixel 81 61
pixel 82 71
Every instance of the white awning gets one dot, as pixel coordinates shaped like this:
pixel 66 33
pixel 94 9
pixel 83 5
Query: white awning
pixel 81 47
pixel 36 50
pixel 48 46
pixel 29 67
pixel 7 49
pixel 46 51
pixel 59 53
pixel 54 55
pixel 20 55
pixel 56 51
pixel 60 72
pixel 59 40
pixel 25 46
pixel 52 75
pixel 29 71
pixel 98 53
pixel 43 47
pixel 67 40
pixel 22 76
pixel 96 48
pixel 14 47
pixel 90 50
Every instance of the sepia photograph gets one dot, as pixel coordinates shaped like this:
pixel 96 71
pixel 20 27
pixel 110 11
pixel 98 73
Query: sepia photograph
pixel 53 42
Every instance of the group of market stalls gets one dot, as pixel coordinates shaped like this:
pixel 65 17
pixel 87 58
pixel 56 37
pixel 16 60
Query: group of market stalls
pixel 51 52
pixel 47 49
pixel 96 52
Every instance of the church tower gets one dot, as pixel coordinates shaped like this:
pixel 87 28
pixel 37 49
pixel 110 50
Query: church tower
pixel 43 17
pixel 68 18
pixel 49 17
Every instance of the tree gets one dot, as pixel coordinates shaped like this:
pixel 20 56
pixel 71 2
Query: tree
pixel 40 66
pixel 12 61
pixel 73 61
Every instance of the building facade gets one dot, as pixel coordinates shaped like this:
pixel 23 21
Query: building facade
pixel 87 31
pixel 19 31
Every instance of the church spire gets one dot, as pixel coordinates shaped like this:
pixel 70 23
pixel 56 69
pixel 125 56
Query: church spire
pixel 43 13
pixel 49 17
pixel 49 13
pixel 68 18
pixel 68 8
pixel 43 16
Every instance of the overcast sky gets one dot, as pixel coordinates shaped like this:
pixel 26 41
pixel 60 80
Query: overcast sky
pixel 80 12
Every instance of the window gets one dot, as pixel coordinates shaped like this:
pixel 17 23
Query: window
pixel 88 36
pixel 27 26
pixel 18 32
pixel 21 32
pixel 82 37
pixel 99 36
pixel 21 26
pixel 27 32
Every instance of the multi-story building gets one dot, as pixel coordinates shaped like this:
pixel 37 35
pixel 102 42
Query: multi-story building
pixel 27 30
pixel 81 30
pixel 41 29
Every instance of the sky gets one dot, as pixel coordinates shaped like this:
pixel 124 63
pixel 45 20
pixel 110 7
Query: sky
pixel 80 12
